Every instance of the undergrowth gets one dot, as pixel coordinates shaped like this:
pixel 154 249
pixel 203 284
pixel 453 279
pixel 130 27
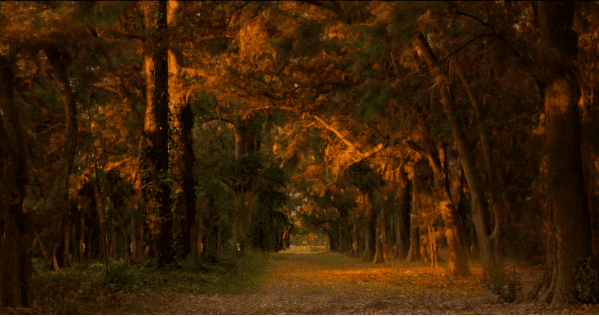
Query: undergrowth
pixel 90 289
pixel 504 284
pixel 586 278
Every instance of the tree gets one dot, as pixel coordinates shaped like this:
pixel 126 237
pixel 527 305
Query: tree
pixel 15 231
pixel 182 156
pixel 154 142
pixel 569 225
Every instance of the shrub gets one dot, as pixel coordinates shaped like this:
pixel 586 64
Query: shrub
pixel 118 276
pixel 586 279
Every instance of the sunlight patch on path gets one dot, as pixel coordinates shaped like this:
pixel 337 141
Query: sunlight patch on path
pixel 328 283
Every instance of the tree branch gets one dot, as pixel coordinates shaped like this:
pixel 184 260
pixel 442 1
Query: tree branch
pixel 341 136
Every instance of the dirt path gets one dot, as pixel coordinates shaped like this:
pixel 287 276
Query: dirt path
pixel 329 283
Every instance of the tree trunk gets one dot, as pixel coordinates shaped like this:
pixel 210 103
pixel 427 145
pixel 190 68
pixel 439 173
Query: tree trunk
pixel 182 156
pixel 154 140
pixel 210 232
pixel 354 252
pixel 569 220
pixel 101 220
pixel 570 234
pixel 15 235
pixel 478 200
pixel 81 243
pixel 57 199
pixel 370 230
pixel 494 174
pixel 414 250
pixel 403 218
pixel 382 246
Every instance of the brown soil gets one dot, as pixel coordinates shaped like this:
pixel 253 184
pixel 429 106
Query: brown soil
pixel 302 285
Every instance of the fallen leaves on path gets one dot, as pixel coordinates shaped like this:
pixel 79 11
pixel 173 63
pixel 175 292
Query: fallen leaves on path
pixel 329 283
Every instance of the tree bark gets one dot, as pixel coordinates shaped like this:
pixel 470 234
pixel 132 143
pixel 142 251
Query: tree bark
pixel 403 218
pixel 414 250
pixel 370 229
pixel 154 140
pixel 354 253
pixel 479 204
pixel 15 231
pixel 382 247
pixel 569 220
pixel 182 156
pixel 494 174
pixel 57 199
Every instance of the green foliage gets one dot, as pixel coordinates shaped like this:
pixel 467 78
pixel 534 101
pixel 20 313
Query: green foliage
pixel 284 48
pixel 96 15
pixel 363 176
pixel 77 290
pixel 309 35
pixel 78 166
pixel 586 277
pixel 375 98
pixel 215 46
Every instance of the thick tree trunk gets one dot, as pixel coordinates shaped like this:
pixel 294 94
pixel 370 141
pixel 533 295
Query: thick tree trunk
pixel 569 220
pixel 570 234
pixel 15 232
pixel 182 156
pixel 154 140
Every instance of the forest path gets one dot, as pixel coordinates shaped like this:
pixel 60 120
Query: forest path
pixel 329 283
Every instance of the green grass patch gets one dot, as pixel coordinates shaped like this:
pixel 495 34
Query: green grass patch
pixel 89 288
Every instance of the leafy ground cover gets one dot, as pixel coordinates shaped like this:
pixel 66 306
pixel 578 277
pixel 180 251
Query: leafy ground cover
pixel 301 281
pixel 89 289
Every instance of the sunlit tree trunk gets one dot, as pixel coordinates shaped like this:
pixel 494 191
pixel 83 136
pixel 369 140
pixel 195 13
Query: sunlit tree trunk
pixel 15 231
pixel 154 140
pixel 569 220
pixel 479 206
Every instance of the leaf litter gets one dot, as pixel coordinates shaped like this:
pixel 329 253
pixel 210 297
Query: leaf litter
pixel 328 283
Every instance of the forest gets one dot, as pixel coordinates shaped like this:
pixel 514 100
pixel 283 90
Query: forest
pixel 208 139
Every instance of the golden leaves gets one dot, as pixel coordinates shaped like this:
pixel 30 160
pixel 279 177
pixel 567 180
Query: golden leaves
pixel 252 38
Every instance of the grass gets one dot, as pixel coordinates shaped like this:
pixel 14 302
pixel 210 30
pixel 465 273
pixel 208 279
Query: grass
pixel 89 289
pixel 143 288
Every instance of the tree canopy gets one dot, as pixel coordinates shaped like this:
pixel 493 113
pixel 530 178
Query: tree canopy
pixel 175 129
